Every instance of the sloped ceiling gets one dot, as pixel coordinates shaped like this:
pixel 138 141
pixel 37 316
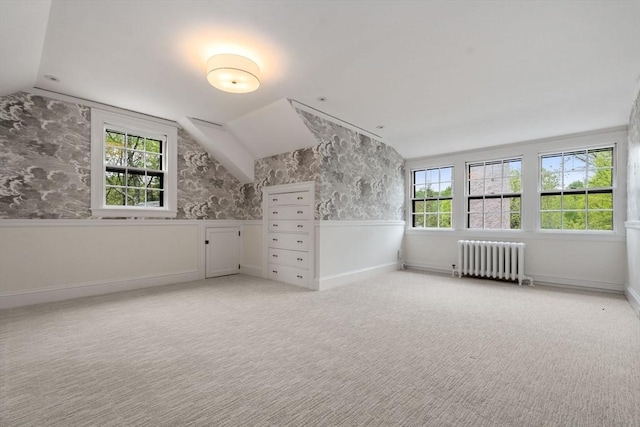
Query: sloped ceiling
pixel 439 76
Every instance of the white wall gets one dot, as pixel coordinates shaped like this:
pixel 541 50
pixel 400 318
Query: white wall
pixel 252 248
pixel 353 250
pixel 585 259
pixel 50 260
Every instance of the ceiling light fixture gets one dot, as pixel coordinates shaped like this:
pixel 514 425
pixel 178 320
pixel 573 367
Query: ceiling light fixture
pixel 233 73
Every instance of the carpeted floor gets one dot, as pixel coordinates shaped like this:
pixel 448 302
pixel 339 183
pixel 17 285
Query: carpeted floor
pixel 406 348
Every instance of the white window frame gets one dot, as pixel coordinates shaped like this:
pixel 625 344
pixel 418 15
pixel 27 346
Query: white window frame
pixel 100 121
pixel 484 196
pixel 413 199
pixel 614 193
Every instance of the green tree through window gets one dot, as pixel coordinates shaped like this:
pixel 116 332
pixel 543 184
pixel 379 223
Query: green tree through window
pixel 577 190
pixel 431 197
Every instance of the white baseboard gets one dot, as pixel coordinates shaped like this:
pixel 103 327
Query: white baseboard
pixel 38 296
pixel 634 300
pixel 425 266
pixel 252 270
pixel 555 281
pixel 325 283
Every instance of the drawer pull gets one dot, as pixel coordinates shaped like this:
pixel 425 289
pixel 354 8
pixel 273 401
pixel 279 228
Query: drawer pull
pixel 274 271
pixel 275 212
pixel 300 259
pixel 275 225
pixel 300 226
pixel 275 200
pixel 275 240
pixel 300 241
pixel 300 212
pixel 299 276
pixel 300 198
pixel 274 255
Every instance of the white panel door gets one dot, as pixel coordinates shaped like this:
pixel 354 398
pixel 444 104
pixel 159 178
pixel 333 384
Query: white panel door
pixel 223 251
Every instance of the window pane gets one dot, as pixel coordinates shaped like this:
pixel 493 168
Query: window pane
pixel 574 220
pixel 551 220
pixel 153 162
pixel 493 185
pixel 551 163
pixel 153 146
pixel 575 161
pixel 600 201
pixel 135 197
pixel 445 189
pixel 476 171
pixel 476 187
pixel 114 156
pixel 476 220
pixel 114 138
pixel 550 203
pixel 512 183
pixel 114 178
pixel 135 159
pixel 419 192
pixel 514 204
pixel 418 220
pixel 600 220
pixel 445 220
pixel 445 206
pixel 418 207
pixel 431 220
pixel 493 205
pixel 514 223
pixel 492 220
pixel 135 180
pixel 601 158
pixel 419 177
pixel 600 178
pixel 551 181
pixel 446 174
pixel 431 206
pixel 114 196
pixel 574 201
pixel 573 180
pixel 493 170
pixel 154 198
pixel 433 175
pixel 135 142
pixel 476 205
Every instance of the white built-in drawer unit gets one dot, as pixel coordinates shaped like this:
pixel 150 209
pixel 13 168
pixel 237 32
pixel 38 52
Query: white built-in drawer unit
pixel 288 217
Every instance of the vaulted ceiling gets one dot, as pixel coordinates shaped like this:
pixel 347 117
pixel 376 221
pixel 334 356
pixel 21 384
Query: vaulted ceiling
pixel 440 76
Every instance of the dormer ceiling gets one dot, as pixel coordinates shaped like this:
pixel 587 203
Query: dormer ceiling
pixel 438 76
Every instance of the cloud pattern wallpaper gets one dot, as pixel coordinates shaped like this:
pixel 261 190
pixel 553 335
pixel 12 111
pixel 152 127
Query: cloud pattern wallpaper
pixel 45 148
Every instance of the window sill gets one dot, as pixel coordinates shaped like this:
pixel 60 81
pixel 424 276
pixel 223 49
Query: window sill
pixel 133 213
pixel 480 234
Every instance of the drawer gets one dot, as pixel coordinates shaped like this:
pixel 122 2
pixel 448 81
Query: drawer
pixel 296 259
pixel 295 276
pixel 296 242
pixel 288 212
pixel 298 198
pixel 288 225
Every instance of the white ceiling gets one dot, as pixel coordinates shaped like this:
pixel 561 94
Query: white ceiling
pixel 440 76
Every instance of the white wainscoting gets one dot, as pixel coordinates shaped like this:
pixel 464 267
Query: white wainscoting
pixel 581 261
pixel 354 250
pixel 252 248
pixel 53 260
pixel 632 290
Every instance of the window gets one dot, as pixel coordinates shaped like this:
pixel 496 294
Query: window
pixel 431 196
pixel 133 167
pixel 576 190
pixel 494 194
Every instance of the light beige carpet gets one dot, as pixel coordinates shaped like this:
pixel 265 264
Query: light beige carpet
pixel 403 349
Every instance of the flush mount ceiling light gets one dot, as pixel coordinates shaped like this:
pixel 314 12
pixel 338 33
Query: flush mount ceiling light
pixel 233 73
